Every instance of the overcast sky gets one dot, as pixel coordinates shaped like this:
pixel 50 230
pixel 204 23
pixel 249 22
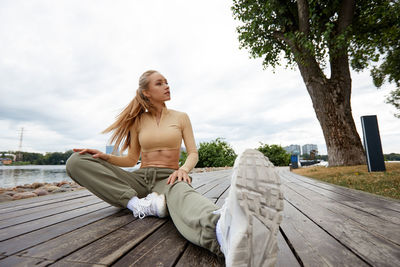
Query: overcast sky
pixel 67 68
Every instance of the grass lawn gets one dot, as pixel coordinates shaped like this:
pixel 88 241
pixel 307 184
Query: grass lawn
pixel 357 177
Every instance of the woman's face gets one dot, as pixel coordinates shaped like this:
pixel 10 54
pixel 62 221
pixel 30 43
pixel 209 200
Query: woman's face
pixel 158 89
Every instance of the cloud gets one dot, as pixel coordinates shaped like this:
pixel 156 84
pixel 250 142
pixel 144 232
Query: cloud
pixel 67 68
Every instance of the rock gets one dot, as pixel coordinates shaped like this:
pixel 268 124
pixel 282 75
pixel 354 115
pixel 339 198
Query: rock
pixel 77 186
pixel 20 189
pixel 4 198
pixel 25 186
pixel 24 195
pixel 10 193
pixel 61 190
pixel 41 192
pixel 50 188
pixel 60 184
pixel 36 185
pixel 65 186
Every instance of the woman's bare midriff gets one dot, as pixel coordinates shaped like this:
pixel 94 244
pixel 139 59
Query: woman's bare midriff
pixel 161 158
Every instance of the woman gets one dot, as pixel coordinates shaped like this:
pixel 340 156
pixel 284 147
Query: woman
pixel 161 188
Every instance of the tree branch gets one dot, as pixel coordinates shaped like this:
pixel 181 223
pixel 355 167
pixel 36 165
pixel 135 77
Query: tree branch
pixel 309 68
pixel 290 43
pixel 346 14
pixel 304 14
pixel 339 60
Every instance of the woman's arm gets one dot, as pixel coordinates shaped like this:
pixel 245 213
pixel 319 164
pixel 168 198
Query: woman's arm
pixel 190 144
pixel 187 133
pixel 133 153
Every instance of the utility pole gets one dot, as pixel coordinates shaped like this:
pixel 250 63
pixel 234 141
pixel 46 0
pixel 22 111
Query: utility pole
pixel 19 154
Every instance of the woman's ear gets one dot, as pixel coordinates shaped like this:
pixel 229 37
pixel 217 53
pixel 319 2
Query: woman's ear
pixel 146 94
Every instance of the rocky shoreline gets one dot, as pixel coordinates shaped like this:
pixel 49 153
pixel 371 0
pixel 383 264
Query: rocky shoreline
pixel 36 190
pixel 42 189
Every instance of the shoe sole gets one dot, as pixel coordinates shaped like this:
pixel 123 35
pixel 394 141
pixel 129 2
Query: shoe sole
pixel 259 195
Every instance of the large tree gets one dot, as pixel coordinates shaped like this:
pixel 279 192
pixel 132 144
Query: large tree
pixel 320 36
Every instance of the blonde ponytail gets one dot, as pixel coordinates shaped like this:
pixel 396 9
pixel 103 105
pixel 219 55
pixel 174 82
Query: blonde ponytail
pixel 130 115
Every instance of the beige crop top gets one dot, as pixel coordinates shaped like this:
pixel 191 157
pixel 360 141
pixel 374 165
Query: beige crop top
pixel 168 134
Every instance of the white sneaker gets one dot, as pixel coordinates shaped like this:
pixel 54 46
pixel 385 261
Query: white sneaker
pixel 152 205
pixel 252 212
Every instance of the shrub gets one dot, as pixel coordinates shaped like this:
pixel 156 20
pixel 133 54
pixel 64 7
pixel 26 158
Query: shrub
pixel 216 153
pixel 275 153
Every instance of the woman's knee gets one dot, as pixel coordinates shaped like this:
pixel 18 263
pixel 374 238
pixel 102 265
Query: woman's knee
pixel 178 190
pixel 74 161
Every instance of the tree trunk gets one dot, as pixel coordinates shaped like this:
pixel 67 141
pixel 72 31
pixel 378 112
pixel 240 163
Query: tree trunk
pixel 331 102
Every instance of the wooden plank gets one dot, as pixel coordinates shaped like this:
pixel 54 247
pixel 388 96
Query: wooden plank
pixel 44 206
pixel 372 207
pixel 314 246
pixel 15 261
pixel 218 190
pixel 68 243
pixel 207 187
pixel 371 248
pixel 198 256
pixel 49 210
pixel 96 254
pixel 161 249
pixel 200 181
pixel 76 264
pixel 16 244
pixel 378 226
pixel 368 199
pixel 207 177
pixel 211 175
pixel 111 247
pixel 51 244
pixel 221 199
pixel 42 200
pixel 285 255
pixel 27 227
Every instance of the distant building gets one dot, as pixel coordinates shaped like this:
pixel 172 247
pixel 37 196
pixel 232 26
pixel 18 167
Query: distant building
pixel 293 149
pixel 308 148
pixel 109 150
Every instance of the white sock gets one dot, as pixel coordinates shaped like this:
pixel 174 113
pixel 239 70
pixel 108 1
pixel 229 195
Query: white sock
pixel 219 234
pixel 132 202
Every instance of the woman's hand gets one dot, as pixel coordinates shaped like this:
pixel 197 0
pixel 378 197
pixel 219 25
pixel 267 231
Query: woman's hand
pixel 96 153
pixel 179 174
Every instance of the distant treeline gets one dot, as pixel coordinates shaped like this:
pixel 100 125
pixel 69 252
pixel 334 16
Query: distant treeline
pixel 392 156
pixel 389 157
pixel 49 158
pixel 60 158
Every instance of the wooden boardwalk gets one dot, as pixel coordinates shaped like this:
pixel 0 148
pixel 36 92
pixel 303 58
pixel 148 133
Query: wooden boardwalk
pixel 323 225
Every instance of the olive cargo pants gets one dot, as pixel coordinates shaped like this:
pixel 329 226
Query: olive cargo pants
pixel 191 212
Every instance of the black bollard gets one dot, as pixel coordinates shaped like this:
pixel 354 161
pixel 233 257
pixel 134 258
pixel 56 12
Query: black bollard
pixel 372 144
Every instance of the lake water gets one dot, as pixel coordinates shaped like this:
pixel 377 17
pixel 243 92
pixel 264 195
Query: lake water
pixel 11 176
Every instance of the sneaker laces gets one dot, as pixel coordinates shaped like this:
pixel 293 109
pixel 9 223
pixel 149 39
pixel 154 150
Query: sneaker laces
pixel 143 208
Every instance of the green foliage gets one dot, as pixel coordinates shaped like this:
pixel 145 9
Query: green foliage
pixel 392 156
pixel 322 157
pixel 275 153
pixel 394 99
pixel 216 153
pixel 370 37
pixel 50 158
pixel 182 158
